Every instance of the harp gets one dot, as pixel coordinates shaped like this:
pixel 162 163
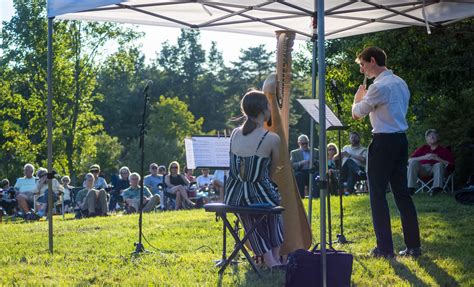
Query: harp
pixel 297 232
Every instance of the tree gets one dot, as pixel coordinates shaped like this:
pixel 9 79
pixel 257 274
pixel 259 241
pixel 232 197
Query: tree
pixel 250 71
pixel 120 81
pixel 76 47
pixel 169 123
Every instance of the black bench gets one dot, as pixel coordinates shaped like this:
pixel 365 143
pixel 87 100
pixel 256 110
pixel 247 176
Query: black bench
pixel 221 211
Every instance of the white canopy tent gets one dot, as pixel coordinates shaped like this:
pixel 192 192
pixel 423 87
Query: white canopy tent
pixel 341 18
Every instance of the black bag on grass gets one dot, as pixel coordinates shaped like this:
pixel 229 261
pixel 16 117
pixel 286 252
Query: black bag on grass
pixel 304 268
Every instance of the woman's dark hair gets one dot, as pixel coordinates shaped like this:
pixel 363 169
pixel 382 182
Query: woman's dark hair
pixel 253 103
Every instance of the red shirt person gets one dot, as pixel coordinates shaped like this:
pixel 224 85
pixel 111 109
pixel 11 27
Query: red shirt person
pixel 429 160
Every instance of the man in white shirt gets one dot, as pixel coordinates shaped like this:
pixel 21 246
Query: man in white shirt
pixel 386 103
pixel 204 180
pixel 25 188
pixel 354 158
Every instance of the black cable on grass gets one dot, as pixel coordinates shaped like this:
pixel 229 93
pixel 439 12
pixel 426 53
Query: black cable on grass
pixel 205 246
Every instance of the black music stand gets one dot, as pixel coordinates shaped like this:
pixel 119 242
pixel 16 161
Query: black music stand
pixel 332 123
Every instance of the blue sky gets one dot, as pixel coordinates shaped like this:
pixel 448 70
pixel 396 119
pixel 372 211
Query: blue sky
pixel 229 44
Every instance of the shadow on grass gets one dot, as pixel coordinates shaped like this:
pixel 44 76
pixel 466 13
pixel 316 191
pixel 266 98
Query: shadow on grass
pixel 404 273
pixel 445 234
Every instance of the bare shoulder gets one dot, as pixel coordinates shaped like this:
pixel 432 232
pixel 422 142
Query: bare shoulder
pixel 274 138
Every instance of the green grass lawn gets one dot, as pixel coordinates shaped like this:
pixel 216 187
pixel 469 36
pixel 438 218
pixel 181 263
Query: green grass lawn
pixel 97 251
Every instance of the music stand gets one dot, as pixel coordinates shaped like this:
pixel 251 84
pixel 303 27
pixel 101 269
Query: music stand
pixel 210 152
pixel 311 106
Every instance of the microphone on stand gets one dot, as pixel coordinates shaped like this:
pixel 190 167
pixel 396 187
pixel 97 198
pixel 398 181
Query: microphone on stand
pixel 147 86
pixel 337 93
pixel 334 85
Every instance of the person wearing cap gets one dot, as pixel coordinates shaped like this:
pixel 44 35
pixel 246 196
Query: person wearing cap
pixel 90 201
pixel 153 179
pixel 300 160
pixel 431 159
pixel 25 188
pixel 99 182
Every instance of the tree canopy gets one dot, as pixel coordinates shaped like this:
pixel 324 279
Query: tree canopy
pixel 100 73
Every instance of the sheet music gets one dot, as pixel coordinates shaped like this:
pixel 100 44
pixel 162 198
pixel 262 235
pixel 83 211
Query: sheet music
pixel 207 151
pixel 312 107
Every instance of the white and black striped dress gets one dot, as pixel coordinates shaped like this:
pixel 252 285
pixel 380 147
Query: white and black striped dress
pixel 249 184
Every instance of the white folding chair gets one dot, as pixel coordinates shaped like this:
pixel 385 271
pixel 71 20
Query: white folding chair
pixel 426 184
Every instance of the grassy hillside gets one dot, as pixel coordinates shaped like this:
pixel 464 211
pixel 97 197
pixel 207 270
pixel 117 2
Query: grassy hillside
pixel 184 244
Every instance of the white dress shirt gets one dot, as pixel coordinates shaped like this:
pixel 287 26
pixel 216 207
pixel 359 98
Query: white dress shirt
pixel 386 103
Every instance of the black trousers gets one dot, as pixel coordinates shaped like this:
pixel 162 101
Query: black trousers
pixel 387 163
pixel 302 180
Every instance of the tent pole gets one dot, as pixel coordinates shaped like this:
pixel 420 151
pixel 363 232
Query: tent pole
pixel 311 123
pixel 322 135
pixel 50 133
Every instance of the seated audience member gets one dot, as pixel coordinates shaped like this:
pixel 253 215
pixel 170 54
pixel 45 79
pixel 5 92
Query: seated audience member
pixel 99 182
pixel 25 188
pixel 90 201
pixel 131 196
pixel 218 179
pixel 120 185
pixel 162 170
pixel 188 173
pixel 66 196
pixel 431 159
pixel 354 157
pixel 204 181
pixel 7 196
pixel 153 179
pixel 300 160
pixel 177 185
pixel 42 191
pixel 333 156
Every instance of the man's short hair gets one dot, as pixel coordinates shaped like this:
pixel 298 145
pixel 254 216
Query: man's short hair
pixel 430 131
pixel 303 138
pixel 354 133
pixel 134 174
pixel 30 166
pixel 375 52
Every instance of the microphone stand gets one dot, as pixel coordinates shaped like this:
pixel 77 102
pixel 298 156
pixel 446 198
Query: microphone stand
pixel 138 245
pixel 340 237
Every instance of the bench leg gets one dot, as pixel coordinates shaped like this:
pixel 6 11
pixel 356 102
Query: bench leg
pixel 240 245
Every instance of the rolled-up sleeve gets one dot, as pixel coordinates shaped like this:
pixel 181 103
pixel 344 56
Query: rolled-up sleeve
pixel 368 103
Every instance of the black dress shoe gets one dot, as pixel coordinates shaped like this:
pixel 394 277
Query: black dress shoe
pixel 414 252
pixel 376 252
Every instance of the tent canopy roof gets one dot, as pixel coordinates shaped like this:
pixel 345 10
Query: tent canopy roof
pixel 262 17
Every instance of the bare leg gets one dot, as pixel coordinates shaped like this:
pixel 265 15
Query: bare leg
pixel 178 200
pixel 269 259
pixel 184 194
pixel 22 203
pixel 276 254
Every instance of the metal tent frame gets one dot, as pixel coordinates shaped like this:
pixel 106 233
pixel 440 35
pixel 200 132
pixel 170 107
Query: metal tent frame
pixel 341 18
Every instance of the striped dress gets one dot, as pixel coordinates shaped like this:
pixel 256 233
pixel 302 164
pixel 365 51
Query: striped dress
pixel 249 184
